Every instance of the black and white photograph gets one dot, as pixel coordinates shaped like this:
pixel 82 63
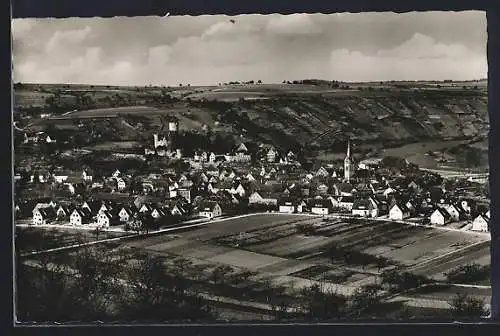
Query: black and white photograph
pixel 251 168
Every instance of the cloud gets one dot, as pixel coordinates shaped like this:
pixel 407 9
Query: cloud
pixel 21 27
pixel 66 39
pixel 294 24
pixel 210 49
pixel 422 46
pixel 419 58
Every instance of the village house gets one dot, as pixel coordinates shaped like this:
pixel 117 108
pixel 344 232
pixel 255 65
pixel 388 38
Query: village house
pixel 80 216
pixel 157 213
pixel 271 155
pixel 286 206
pixel 117 173
pixel 480 223
pixel 30 137
pixel 365 207
pixel 209 209
pixel 320 206
pixel 145 208
pixel 322 172
pixel 121 184
pixel 87 175
pixel 211 157
pixel 108 218
pixel 125 214
pixel 185 193
pixel 346 203
pixel 440 217
pixel 399 212
pixel 63 212
pixel 239 190
pixel 262 198
pixel 249 177
pixel 241 154
pixel 455 213
pixel 43 215
pixel 175 209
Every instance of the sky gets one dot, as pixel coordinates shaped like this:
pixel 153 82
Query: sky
pixel 211 49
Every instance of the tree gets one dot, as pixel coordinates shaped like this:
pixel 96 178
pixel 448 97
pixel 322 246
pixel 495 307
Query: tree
pixel 220 274
pixel 155 294
pixel 322 304
pixel 467 273
pixel 365 301
pixel 398 280
pixel 464 305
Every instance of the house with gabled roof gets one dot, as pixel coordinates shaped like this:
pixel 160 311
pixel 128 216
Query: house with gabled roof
pixel 322 172
pixel 365 207
pixel 158 212
pixel 456 213
pixel 126 213
pixel 209 209
pixel 346 202
pixel 117 173
pixel 44 215
pixel 242 148
pixel 440 217
pixel 320 206
pixel 80 216
pixel 63 212
pixel 481 223
pixel 260 197
pixel 146 208
pixel 108 218
pixel 211 157
pixel 399 212
pixel 271 155
pixel 286 205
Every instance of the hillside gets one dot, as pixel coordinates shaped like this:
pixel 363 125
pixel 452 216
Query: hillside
pixel 317 118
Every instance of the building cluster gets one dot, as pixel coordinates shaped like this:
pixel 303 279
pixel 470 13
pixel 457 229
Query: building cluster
pixel 264 179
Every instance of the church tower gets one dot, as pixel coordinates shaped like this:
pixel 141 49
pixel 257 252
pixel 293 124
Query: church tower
pixel 348 163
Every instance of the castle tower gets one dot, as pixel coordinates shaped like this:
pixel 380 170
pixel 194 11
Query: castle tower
pixel 348 163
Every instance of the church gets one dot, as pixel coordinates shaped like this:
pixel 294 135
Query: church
pixel 348 164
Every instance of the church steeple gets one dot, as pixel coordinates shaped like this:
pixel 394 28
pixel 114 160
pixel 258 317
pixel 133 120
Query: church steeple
pixel 348 163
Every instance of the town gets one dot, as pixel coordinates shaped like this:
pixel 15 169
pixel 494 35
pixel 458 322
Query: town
pixel 211 185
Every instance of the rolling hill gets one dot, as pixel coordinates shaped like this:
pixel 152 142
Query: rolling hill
pixel 317 117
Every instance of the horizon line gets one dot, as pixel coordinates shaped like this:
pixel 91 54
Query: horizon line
pixel 255 82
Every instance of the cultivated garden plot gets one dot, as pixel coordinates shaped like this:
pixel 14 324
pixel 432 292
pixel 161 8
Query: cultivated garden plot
pixel 200 251
pixel 246 259
pixel 170 245
pixel 286 267
pixel 431 245
pixel 294 244
pixel 237 225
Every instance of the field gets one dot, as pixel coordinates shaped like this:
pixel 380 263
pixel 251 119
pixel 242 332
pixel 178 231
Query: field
pixel 270 248
pixel 268 244
pixel 30 239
